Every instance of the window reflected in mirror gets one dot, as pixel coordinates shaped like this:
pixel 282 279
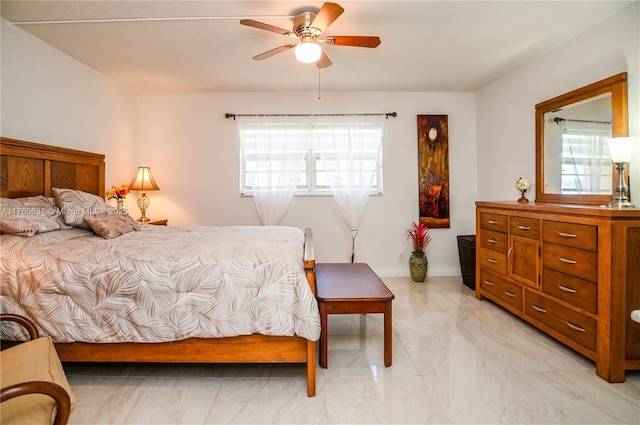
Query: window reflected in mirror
pixel 577 158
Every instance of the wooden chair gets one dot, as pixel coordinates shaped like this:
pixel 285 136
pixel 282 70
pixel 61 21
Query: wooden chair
pixel 34 389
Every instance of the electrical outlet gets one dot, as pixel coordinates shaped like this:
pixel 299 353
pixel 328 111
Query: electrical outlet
pixel 401 257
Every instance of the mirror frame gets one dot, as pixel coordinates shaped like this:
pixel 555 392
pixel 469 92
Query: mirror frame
pixel 617 86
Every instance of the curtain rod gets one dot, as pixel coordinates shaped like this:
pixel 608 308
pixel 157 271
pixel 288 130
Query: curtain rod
pixel 558 120
pixel 228 115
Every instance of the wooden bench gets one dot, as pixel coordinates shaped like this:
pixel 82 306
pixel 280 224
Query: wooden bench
pixel 351 288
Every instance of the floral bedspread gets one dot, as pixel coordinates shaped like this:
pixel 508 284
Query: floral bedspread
pixel 159 284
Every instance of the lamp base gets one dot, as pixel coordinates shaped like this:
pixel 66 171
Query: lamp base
pixel 143 204
pixel 620 203
pixel 620 200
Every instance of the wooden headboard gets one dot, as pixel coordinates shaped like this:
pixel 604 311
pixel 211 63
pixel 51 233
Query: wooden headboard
pixel 31 169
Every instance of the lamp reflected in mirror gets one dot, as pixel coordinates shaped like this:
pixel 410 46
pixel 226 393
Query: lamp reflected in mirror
pixel 620 150
pixel 144 182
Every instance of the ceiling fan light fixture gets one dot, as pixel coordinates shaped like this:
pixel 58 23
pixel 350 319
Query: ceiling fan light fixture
pixel 307 27
pixel 308 51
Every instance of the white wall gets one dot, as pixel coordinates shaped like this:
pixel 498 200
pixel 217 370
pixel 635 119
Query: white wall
pixel 506 108
pixel 48 97
pixel 194 154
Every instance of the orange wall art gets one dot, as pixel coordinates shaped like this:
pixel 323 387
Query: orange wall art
pixel 433 170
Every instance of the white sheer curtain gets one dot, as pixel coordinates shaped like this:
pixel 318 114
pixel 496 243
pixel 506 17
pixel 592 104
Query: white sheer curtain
pixel 273 151
pixel 586 156
pixel 349 150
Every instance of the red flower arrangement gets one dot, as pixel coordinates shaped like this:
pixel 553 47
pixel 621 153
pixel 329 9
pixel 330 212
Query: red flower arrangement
pixel 419 233
pixel 118 192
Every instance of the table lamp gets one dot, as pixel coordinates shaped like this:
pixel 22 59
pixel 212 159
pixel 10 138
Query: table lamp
pixel 143 181
pixel 620 150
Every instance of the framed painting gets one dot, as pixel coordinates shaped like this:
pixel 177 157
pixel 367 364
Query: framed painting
pixel 433 170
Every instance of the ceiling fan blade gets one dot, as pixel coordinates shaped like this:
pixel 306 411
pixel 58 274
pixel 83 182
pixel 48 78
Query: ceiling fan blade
pixel 328 13
pixel 267 27
pixel 353 40
pixel 324 61
pixel 273 52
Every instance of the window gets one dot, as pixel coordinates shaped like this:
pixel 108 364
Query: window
pixel 293 144
pixel 586 165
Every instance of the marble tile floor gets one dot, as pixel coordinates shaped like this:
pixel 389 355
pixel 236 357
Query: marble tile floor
pixel 456 360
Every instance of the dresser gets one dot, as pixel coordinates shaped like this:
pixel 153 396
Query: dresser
pixel 571 271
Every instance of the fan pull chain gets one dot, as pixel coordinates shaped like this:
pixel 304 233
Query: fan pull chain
pixel 319 97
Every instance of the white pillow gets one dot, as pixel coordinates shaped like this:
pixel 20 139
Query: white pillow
pixel 30 215
pixel 75 204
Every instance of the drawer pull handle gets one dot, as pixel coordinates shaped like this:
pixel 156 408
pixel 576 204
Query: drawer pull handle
pixel 565 289
pixel 492 261
pixel 492 241
pixel 566 260
pixel 511 294
pixel 488 282
pixel 493 222
pixel 539 309
pixel 524 227
pixel 566 235
pixel 575 328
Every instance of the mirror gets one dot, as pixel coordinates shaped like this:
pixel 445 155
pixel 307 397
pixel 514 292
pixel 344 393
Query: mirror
pixel 572 157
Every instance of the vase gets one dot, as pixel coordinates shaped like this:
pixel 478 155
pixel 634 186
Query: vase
pixel 120 204
pixel 418 265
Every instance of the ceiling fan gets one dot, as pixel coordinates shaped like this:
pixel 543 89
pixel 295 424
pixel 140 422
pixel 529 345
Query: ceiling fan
pixel 307 26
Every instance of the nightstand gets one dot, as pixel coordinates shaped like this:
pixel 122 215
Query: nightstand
pixel 157 221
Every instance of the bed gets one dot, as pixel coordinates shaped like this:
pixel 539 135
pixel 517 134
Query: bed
pixel 32 170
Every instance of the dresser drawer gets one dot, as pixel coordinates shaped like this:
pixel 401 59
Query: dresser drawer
pixel 507 292
pixel 581 236
pixel 496 222
pixel 578 292
pixel 525 227
pixel 571 261
pixel 495 241
pixel 580 328
pixel 493 260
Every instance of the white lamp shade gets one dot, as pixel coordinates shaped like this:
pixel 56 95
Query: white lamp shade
pixel 308 51
pixel 621 148
pixel 143 180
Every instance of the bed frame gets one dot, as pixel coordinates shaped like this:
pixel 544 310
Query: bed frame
pixel 31 169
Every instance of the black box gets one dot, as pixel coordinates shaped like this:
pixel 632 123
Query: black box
pixel 467 252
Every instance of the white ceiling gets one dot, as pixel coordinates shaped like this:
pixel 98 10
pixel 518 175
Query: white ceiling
pixel 426 45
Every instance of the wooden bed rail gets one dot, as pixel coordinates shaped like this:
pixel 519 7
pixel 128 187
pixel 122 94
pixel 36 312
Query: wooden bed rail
pixel 309 259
